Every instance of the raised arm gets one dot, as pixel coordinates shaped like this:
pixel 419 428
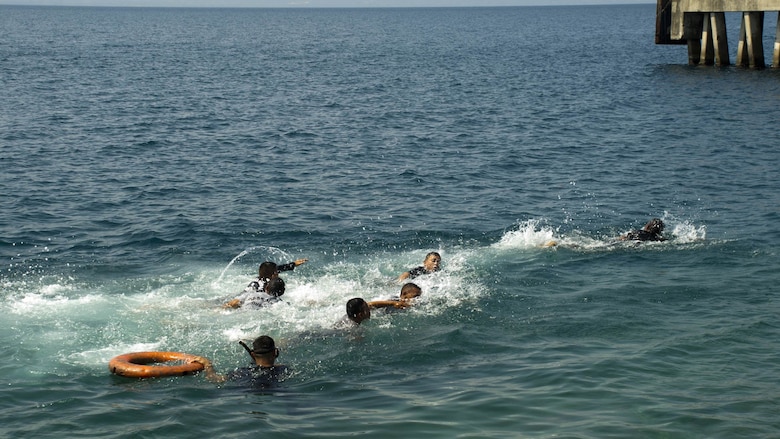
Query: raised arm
pixel 291 265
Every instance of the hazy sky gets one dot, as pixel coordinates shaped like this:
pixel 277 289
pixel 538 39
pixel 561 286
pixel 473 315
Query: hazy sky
pixel 313 3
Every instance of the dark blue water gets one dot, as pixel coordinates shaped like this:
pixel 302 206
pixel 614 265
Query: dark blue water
pixel 152 158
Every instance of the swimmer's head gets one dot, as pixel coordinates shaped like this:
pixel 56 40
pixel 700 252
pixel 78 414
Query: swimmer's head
pixel 267 270
pixel 358 310
pixel 264 351
pixel 410 291
pixel 275 287
pixel 263 345
pixel 655 225
pixel 432 261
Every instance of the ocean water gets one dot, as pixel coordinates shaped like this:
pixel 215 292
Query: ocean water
pixel 152 158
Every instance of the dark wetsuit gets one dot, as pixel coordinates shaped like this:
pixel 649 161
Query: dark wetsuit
pixel 417 271
pixel 641 235
pixel 258 376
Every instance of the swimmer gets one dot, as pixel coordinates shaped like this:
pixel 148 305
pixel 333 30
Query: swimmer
pixel 269 270
pixel 264 371
pixel 274 290
pixel 650 232
pixel 431 264
pixel 357 312
pixel 409 292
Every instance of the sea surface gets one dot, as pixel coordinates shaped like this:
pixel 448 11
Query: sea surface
pixel 152 158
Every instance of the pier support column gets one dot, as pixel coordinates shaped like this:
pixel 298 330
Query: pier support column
pixel 750 52
pixel 719 38
pixel 776 56
pixel 707 40
pixel 692 29
pixel 707 51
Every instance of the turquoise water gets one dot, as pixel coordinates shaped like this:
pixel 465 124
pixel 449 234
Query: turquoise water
pixel 152 158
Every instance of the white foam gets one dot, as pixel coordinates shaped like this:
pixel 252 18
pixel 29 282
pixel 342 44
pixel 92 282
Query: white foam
pixel 101 356
pixel 535 234
pixel 685 232
pixel 529 234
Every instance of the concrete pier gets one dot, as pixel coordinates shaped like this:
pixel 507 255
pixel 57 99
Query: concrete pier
pixel 701 25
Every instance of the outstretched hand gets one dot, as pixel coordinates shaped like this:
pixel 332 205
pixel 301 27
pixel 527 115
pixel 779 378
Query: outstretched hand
pixel 208 370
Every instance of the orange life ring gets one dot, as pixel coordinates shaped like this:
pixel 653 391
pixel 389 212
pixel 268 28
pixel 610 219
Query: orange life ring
pixel 138 364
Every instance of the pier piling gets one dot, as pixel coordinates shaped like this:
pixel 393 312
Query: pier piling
pixel 701 25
